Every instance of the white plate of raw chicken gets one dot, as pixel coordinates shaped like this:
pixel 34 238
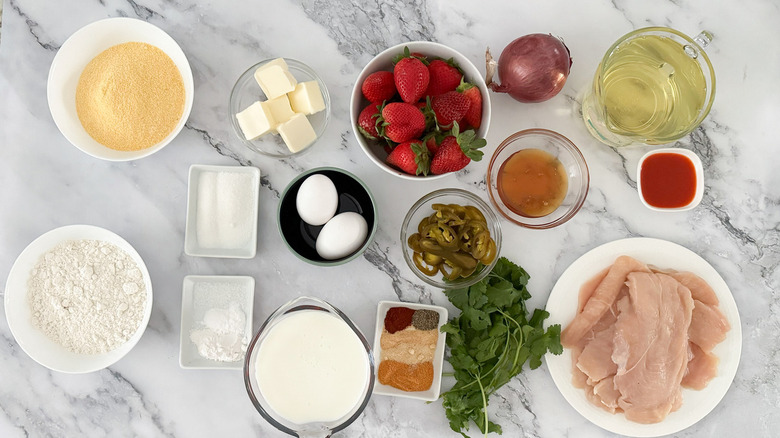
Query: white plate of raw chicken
pixel 562 305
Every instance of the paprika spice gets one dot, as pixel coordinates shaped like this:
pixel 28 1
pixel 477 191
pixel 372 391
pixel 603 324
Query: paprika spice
pixel 398 318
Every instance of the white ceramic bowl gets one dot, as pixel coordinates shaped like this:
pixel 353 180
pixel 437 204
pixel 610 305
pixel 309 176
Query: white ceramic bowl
pixel 698 169
pixel 78 51
pixel 384 61
pixel 192 246
pixel 438 356
pixel 17 309
pixel 201 293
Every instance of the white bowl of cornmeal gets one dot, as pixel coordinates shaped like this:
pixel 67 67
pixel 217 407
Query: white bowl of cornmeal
pixel 120 89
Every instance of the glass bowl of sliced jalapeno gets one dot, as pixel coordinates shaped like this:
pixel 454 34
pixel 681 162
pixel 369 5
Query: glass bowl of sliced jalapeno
pixel 451 238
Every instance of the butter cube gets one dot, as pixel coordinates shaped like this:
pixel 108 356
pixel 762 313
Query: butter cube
pixel 297 133
pixel 256 120
pixel 275 81
pixel 280 109
pixel 306 98
pixel 278 61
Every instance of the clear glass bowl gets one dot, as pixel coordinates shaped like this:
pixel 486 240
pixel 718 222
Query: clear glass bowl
pixel 561 148
pixel 246 91
pixel 424 208
pixel 322 429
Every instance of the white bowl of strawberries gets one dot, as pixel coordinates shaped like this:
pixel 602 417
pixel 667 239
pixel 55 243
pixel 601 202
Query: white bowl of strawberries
pixel 420 110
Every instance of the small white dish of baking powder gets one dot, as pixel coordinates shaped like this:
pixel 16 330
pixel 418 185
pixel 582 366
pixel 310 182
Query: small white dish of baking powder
pixel 222 210
pixel 216 321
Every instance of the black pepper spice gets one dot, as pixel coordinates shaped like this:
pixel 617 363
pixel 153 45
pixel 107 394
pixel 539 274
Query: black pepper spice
pixel 425 319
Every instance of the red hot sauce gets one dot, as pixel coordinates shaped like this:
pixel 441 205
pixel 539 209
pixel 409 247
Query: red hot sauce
pixel 668 180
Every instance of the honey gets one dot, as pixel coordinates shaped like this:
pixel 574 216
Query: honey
pixel 532 183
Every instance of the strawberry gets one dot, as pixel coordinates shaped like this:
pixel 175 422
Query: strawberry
pixel 401 122
pixel 379 86
pixel 445 76
pixel 367 121
pixel 432 140
pixel 473 117
pixel 411 157
pixel 456 151
pixel 449 107
pixel 411 77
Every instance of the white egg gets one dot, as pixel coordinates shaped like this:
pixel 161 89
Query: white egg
pixel 317 200
pixel 342 236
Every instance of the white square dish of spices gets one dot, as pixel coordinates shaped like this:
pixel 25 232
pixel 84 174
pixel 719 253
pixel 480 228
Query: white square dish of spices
pixel 409 349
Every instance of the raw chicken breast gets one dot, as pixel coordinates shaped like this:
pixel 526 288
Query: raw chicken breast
pixel 702 367
pixel 699 288
pixel 595 361
pixel 587 289
pixel 605 395
pixel 640 335
pixel 601 299
pixel 651 346
pixel 709 326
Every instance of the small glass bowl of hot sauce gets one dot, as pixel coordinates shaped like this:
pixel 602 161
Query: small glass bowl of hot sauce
pixel 670 179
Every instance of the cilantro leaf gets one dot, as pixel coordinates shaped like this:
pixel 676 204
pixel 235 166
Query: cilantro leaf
pixel 490 341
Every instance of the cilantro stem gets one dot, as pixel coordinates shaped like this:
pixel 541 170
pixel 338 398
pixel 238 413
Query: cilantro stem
pixel 484 402
pixel 520 342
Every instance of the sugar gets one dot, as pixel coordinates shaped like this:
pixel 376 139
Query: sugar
pixel 225 215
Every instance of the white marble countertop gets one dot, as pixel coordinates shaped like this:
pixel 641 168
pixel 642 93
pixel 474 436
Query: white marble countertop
pixel 46 183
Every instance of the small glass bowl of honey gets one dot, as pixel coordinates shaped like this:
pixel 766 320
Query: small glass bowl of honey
pixel 538 179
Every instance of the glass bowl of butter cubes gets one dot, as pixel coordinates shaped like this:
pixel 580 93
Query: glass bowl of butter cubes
pixel 279 107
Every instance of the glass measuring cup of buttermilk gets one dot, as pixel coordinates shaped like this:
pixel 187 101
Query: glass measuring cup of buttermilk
pixel 653 86
pixel 309 371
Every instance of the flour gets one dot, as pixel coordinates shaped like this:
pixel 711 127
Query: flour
pixel 87 295
pixel 222 337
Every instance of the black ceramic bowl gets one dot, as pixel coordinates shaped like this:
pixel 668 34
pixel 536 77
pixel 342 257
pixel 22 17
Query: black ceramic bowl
pixel 301 237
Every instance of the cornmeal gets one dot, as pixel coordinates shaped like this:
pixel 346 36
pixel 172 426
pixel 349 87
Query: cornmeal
pixel 130 97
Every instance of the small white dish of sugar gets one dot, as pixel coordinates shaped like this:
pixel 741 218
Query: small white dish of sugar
pixel 222 210
pixel 216 321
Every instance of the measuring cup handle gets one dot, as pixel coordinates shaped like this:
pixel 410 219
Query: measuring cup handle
pixel 703 39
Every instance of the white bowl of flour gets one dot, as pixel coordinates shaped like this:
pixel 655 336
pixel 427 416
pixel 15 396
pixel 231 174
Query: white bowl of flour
pixel 78 299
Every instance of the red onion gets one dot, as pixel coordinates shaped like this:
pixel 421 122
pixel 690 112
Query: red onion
pixel 532 68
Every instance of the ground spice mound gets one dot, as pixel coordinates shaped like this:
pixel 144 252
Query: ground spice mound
pixel 424 319
pixel 406 377
pixel 409 346
pixel 130 96
pixel 398 318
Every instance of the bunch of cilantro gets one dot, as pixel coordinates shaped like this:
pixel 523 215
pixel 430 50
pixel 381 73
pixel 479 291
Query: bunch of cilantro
pixel 490 342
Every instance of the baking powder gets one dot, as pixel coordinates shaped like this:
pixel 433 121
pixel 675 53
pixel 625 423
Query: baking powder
pixel 222 336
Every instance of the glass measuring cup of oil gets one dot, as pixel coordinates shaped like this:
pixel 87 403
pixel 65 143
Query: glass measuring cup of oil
pixel 653 86
pixel 309 371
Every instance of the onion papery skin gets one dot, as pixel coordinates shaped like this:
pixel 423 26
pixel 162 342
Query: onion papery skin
pixel 533 68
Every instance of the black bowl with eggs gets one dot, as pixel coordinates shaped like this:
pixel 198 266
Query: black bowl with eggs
pixel 301 237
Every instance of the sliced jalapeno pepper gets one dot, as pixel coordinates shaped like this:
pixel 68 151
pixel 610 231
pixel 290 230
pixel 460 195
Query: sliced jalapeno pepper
pixel 454 240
